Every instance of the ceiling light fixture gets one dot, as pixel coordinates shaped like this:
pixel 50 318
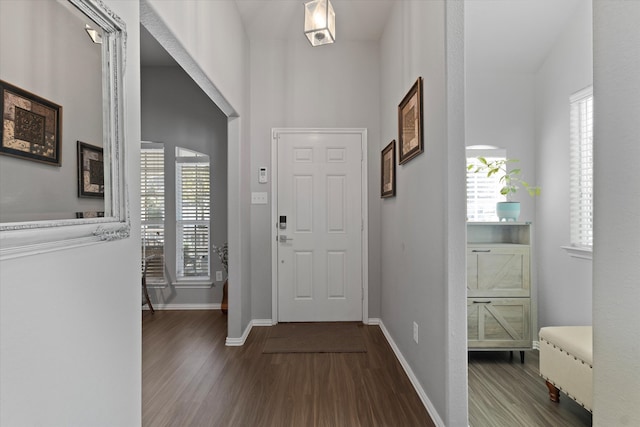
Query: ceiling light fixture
pixel 319 22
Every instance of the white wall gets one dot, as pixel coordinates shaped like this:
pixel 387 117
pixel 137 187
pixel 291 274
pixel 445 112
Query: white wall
pixel 616 270
pixel 564 282
pixel 70 331
pixel 499 111
pixel 176 112
pixel 296 85
pixel 57 61
pixel 208 40
pixel 420 249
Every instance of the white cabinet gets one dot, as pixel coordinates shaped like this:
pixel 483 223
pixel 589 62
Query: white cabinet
pixel 499 286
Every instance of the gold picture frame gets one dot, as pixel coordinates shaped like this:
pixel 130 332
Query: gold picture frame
pixel 410 140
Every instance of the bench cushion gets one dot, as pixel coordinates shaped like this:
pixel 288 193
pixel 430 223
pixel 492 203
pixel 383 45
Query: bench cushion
pixel 575 340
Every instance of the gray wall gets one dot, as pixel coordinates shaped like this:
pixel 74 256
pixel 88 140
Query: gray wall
pixel 564 282
pixel 56 60
pixel 422 242
pixel 499 108
pixel 528 114
pixel 208 40
pixel 296 85
pixel 70 332
pixel 616 271
pixel 176 112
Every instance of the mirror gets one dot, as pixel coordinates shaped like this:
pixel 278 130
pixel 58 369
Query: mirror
pixel 62 148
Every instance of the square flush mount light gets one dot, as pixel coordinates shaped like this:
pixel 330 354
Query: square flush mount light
pixel 319 22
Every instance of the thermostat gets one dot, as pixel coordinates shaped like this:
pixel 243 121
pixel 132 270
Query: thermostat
pixel 262 175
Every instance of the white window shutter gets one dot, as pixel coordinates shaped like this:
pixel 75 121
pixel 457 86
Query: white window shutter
pixel 152 195
pixel 581 168
pixel 192 216
pixel 483 192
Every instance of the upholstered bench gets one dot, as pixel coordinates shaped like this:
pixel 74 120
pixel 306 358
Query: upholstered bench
pixel 566 362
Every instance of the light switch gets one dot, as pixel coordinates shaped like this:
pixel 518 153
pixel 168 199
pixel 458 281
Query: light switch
pixel 259 198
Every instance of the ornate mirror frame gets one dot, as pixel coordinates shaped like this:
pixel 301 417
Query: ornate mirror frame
pixel 28 238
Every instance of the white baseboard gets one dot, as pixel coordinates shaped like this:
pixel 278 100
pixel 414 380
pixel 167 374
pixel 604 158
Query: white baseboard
pixel 412 377
pixel 373 321
pixel 212 306
pixel 536 345
pixel 237 342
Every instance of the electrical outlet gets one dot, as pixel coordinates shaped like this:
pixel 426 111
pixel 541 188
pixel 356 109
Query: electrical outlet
pixel 415 332
pixel 218 276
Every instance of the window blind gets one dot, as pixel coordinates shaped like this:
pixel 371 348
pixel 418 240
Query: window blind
pixel 193 216
pixel 483 192
pixel 581 168
pixel 152 210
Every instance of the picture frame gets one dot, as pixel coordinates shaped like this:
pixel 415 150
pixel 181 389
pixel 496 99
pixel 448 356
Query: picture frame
pixel 388 171
pixel 90 171
pixel 90 214
pixel 410 139
pixel 31 126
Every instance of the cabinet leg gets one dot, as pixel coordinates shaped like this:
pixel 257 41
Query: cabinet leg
pixel 522 357
pixel 510 355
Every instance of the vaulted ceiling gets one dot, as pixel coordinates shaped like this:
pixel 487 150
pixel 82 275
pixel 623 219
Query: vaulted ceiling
pixel 513 35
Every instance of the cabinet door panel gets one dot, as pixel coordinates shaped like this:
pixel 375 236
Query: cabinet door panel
pixel 472 322
pixel 499 323
pixel 500 272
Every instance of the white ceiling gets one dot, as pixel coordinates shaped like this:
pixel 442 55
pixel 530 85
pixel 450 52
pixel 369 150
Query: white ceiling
pixel 513 35
pixel 284 19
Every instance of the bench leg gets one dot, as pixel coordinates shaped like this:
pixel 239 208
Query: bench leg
pixel 554 393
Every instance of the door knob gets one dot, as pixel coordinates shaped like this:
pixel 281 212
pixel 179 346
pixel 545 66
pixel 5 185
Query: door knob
pixel 284 238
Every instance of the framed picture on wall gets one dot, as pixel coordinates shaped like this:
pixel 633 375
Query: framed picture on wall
pixel 30 126
pixel 388 172
pixel 90 171
pixel 90 214
pixel 410 123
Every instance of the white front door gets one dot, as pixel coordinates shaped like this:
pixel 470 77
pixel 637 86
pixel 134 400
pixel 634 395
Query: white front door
pixel 320 251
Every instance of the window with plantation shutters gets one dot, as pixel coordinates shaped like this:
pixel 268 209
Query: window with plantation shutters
pixel 483 192
pixel 152 211
pixel 581 175
pixel 192 215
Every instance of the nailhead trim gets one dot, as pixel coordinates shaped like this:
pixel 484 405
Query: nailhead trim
pixel 565 351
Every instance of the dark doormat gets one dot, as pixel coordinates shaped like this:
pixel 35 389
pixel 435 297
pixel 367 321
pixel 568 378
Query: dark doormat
pixel 334 337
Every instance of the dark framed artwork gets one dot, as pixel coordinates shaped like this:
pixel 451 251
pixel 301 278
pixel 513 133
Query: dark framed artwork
pixel 90 171
pixel 388 171
pixel 31 126
pixel 410 142
pixel 90 214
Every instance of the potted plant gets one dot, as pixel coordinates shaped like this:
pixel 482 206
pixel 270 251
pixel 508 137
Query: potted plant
pixel 223 254
pixel 510 179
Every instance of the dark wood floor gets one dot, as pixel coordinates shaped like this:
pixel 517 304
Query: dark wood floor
pixel 505 393
pixel 189 378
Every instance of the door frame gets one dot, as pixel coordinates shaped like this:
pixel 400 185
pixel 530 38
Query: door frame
pixel 364 243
